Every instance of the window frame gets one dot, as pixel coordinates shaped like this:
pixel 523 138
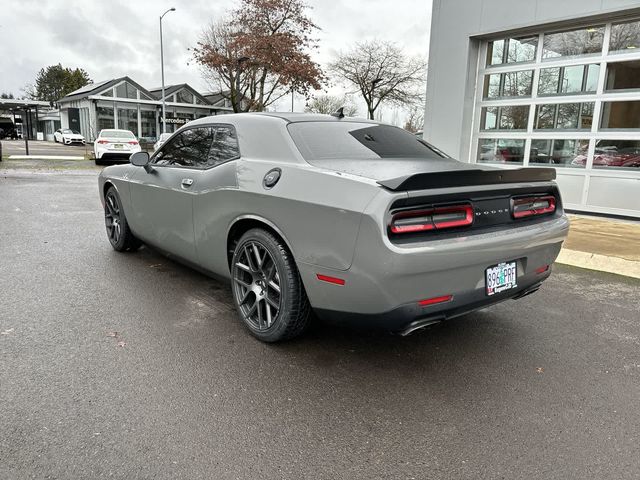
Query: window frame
pixel 192 127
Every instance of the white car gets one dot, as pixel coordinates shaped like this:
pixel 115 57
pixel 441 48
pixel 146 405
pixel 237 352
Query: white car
pixel 113 145
pixel 67 136
pixel 163 138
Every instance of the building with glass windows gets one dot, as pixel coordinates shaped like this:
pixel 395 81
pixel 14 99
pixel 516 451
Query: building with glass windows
pixel 123 103
pixel 542 83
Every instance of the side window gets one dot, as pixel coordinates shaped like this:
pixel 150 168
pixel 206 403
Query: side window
pixel 190 148
pixel 224 147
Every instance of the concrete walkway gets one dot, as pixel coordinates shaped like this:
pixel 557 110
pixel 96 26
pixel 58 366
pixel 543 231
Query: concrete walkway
pixel 603 244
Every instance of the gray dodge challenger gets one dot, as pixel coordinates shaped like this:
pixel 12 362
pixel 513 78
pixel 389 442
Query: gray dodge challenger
pixel 357 221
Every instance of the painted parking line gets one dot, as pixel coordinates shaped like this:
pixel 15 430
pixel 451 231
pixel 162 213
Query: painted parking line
pixel 45 157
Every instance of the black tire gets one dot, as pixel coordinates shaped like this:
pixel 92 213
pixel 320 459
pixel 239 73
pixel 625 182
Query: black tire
pixel 120 235
pixel 268 293
pixel 98 161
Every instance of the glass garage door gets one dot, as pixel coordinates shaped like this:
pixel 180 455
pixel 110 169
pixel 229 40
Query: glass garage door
pixel 568 99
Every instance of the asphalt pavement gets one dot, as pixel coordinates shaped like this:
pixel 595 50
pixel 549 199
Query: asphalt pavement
pixel 17 147
pixel 132 366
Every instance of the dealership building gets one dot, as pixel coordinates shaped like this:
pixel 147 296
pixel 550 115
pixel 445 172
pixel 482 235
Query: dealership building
pixel 542 84
pixel 123 103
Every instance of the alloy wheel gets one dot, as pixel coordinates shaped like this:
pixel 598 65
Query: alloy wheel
pixel 256 284
pixel 112 218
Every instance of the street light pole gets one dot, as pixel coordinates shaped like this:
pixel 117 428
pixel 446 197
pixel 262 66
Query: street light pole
pixel 164 113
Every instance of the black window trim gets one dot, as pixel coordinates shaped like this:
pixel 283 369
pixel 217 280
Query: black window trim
pixel 191 127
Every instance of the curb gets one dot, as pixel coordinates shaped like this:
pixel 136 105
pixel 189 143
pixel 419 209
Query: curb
pixel 602 263
pixel 45 157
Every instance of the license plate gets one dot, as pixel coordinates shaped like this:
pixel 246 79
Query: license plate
pixel 118 146
pixel 501 277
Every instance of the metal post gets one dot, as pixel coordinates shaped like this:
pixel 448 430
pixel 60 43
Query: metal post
pixel 292 97
pixel 164 113
pixel 37 122
pixel 25 132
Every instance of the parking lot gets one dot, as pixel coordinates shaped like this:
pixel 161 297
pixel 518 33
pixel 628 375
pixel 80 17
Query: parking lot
pixel 17 147
pixel 133 366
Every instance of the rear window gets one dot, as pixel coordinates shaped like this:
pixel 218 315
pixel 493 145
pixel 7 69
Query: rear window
pixel 351 140
pixel 116 134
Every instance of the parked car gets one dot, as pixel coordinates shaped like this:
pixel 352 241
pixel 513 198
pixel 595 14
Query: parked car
pixel 359 221
pixel 68 136
pixel 161 139
pixel 625 157
pixel 115 145
pixel 7 129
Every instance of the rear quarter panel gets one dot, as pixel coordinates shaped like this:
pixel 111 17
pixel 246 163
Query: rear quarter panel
pixel 318 213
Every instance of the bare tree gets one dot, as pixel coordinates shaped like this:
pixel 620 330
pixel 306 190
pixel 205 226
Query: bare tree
pixel 415 119
pixel 381 72
pixel 328 104
pixel 260 52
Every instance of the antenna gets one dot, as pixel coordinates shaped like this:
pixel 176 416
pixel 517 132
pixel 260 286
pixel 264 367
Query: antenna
pixel 338 113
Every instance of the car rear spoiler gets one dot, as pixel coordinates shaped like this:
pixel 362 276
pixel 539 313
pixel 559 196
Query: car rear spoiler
pixel 464 178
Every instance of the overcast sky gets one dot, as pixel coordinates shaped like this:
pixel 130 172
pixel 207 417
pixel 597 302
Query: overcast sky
pixel 113 38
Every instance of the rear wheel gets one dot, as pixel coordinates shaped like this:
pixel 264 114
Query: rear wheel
pixel 267 288
pixel 120 235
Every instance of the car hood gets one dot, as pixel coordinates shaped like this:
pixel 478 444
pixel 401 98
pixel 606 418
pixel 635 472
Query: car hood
pixel 72 135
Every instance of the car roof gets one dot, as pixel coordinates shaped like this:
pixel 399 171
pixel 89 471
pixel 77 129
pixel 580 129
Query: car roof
pixel 293 117
pixel 114 130
pixel 287 117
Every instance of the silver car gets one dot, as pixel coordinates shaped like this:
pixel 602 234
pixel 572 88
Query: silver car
pixel 358 221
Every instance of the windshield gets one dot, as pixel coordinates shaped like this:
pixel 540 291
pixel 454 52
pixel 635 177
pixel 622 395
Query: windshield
pixel 357 141
pixel 67 131
pixel 117 134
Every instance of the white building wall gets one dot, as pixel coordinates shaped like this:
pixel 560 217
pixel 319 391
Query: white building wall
pixel 457 30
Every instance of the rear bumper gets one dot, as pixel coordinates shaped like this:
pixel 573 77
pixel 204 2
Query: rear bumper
pixel 385 282
pixel 114 156
pixel 410 317
pixel 103 153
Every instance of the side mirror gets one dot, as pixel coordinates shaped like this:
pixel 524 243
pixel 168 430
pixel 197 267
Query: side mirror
pixel 139 159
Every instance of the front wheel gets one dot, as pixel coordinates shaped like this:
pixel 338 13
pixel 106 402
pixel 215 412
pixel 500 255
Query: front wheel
pixel 267 288
pixel 120 235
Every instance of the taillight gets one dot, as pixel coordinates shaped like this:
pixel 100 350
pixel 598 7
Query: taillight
pixel 102 142
pixel 439 218
pixel 133 142
pixel 530 206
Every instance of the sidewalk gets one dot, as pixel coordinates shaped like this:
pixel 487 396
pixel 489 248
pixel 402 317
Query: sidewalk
pixel 603 244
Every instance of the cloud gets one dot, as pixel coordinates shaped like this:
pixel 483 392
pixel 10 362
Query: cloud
pixel 120 37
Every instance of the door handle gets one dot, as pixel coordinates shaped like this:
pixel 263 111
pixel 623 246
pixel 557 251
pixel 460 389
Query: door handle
pixel 187 182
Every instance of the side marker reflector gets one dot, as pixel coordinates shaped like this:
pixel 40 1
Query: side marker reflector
pixel 328 279
pixel 434 300
pixel 542 269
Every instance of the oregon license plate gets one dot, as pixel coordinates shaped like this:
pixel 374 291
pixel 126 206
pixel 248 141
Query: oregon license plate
pixel 501 277
pixel 118 146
